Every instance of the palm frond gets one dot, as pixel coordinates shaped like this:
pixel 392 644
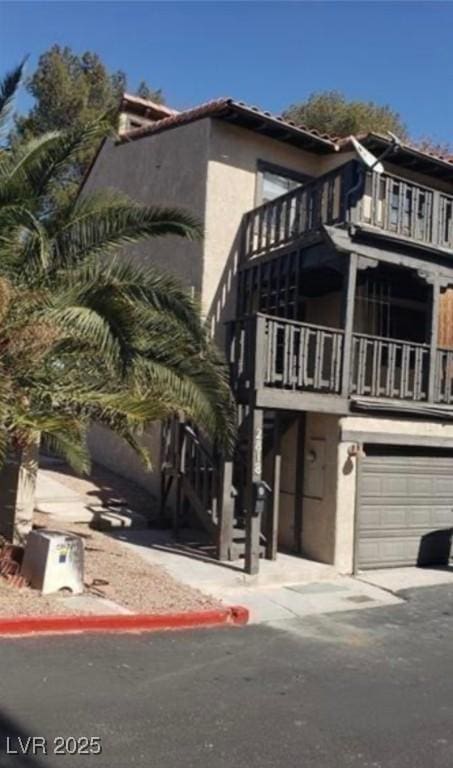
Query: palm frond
pixel 71 446
pixel 123 283
pixel 117 224
pixel 8 88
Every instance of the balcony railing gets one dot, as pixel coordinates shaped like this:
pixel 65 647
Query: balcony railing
pixel 272 352
pixel 389 368
pixel 443 391
pixel 349 195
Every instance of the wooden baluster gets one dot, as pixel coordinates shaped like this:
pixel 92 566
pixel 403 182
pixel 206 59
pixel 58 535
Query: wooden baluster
pixel 405 372
pixel 348 305
pixel 302 358
pixel 417 372
pixel 435 300
pixel 449 377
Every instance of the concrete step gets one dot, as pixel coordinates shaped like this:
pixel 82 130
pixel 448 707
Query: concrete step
pixel 93 515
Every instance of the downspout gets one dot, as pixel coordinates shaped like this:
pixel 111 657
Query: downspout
pixel 353 191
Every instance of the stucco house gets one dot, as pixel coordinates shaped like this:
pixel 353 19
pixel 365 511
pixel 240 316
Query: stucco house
pixel 328 283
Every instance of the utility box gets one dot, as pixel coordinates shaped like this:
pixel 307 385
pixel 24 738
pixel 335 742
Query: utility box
pixel 54 560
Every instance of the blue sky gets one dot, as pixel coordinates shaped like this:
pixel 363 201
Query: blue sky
pixel 266 53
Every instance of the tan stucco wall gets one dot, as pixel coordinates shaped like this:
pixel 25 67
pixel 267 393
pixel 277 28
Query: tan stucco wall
pixel 231 191
pixel 169 168
pixel 115 454
pixel 394 426
pixel 345 515
pixel 320 487
pixel 164 169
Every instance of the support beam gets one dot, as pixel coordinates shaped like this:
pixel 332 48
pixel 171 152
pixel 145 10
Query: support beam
pixel 254 473
pixel 273 509
pixel 226 511
pixel 433 337
pixel 349 290
pixel 259 342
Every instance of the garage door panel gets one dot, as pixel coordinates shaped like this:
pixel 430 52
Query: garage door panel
pixel 420 517
pixel 391 552
pixel 405 509
pixel 444 486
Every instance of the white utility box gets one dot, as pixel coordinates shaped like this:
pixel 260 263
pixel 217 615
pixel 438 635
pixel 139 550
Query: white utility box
pixel 53 560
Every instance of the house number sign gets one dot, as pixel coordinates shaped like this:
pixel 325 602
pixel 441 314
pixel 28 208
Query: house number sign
pixel 257 451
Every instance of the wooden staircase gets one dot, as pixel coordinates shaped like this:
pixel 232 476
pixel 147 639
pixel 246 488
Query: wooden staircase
pixel 209 486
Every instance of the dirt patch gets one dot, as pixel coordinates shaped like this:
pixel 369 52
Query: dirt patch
pixel 112 572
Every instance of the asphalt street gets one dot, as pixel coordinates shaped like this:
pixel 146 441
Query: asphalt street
pixel 371 688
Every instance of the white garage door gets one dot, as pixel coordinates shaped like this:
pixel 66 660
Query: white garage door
pixel 405 507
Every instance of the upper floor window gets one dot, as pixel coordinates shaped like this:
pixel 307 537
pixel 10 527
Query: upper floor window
pixel 274 181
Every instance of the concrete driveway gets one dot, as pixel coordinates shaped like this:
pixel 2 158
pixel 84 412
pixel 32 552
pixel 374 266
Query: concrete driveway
pixel 366 689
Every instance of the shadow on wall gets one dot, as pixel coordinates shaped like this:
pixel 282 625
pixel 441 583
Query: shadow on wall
pixel 435 548
pixel 223 306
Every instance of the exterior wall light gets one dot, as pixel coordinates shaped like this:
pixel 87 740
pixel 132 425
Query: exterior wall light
pixel 356 450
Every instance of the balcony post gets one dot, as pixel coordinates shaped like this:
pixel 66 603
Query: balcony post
pixel 259 346
pixel 433 342
pixel 254 473
pixel 349 290
pixel 226 507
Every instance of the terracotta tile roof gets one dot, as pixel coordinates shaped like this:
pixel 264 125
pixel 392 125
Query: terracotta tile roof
pixel 160 110
pixel 410 147
pixel 227 107
pixel 255 118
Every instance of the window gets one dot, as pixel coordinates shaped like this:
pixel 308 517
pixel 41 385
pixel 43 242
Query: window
pixel 274 181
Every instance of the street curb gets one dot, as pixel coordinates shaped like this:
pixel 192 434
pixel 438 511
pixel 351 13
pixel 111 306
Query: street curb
pixel 43 625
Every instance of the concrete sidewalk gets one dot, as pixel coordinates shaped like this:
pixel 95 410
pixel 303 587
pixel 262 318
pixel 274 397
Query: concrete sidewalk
pixel 284 589
pixel 287 588
pixel 83 501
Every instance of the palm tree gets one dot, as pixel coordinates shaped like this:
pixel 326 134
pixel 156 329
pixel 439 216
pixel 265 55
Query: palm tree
pixel 85 335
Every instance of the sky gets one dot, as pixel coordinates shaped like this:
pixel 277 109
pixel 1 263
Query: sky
pixel 270 54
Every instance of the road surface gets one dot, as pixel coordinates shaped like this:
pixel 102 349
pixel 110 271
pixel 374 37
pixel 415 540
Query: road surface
pixel 365 689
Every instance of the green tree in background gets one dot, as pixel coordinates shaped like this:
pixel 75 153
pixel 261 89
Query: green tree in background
pixel 71 90
pixel 145 92
pixel 331 112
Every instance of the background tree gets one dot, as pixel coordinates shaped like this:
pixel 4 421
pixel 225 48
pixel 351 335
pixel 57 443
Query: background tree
pixel 145 92
pixel 71 90
pixel 331 112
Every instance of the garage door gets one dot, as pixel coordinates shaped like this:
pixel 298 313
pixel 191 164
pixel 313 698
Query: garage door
pixel 406 507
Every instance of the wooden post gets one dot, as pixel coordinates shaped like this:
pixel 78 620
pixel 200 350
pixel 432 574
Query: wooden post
pixel 180 470
pixel 435 217
pixel 433 337
pixel 254 472
pixel 349 290
pixel 259 346
pixel 273 509
pixel 226 511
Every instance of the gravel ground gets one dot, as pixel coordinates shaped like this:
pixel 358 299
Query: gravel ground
pixel 131 583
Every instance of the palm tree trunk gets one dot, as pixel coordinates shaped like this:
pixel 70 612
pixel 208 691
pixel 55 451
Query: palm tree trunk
pixel 17 493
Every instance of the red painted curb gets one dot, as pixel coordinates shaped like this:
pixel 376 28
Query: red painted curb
pixel 33 625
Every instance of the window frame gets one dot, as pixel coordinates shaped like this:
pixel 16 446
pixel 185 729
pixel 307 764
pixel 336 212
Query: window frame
pixel 264 166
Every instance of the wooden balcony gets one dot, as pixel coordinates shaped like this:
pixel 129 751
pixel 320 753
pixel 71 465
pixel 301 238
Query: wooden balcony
pixel 279 359
pixel 381 203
